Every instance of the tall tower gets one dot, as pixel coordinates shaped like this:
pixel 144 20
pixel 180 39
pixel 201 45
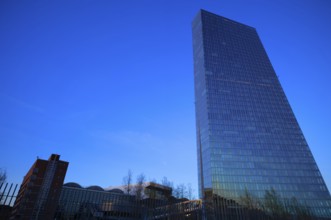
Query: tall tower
pixel 248 138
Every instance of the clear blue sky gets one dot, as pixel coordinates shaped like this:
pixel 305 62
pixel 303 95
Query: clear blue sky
pixel 108 85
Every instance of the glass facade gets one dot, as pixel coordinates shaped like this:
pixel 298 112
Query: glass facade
pixel 248 138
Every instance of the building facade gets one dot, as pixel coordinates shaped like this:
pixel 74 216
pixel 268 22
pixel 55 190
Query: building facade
pixel 94 202
pixel 40 190
pixel 248 139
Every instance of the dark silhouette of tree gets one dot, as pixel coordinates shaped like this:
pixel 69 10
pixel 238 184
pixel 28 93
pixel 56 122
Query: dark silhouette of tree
pixel 299 210
pixel 127 182
pixel 139 187
pixel 274 205
pixel 249 200
pixel 166 182
pixel 180 191
pixel 189 191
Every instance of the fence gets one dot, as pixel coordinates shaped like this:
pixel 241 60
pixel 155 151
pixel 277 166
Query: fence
pixel 8 194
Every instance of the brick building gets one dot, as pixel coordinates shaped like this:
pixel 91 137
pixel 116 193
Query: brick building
pixel 40 190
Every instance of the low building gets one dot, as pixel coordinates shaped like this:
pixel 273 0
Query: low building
pixel 94 202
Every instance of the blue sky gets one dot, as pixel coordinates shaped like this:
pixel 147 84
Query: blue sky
pixel 108 85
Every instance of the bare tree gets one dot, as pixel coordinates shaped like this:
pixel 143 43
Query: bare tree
pixel 127 182
pixel 298 209
pixel 180 191
pixel 274 205
pixel 153 180
pixel 139 187
pixel 248 200
pixel 166 182
pixel 189 191
pixel 176 192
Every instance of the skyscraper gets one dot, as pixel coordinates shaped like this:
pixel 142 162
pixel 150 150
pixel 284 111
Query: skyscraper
pixel 248 138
